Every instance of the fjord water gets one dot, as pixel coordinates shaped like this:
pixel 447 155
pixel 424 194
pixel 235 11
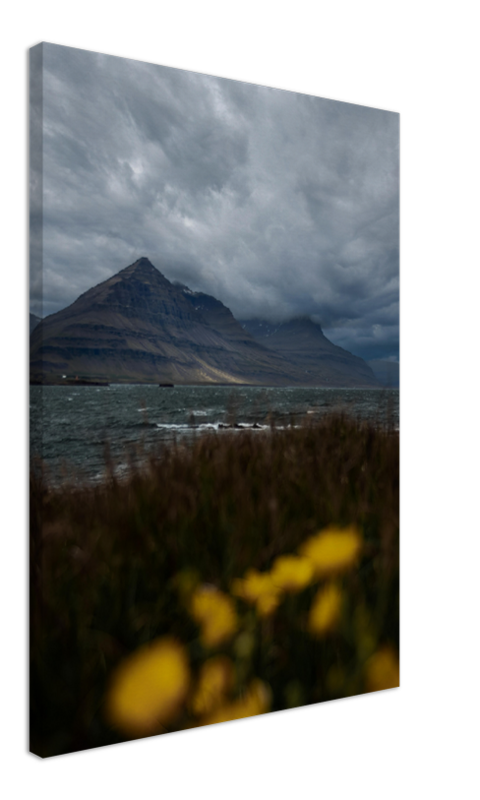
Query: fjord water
pixel 72 426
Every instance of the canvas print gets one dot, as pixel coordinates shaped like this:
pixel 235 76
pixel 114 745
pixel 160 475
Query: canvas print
pixel 214 400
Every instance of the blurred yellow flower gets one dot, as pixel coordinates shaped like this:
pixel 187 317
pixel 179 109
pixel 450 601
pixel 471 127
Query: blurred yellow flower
pixel 267 604
pixel 253 585
pixel 382 670
pixel 257 588
pixel 291 573
pixel 148 688
pixel 215 613
pixel 333 550
pixel 214 682
pixel 326 610
pixel 256 700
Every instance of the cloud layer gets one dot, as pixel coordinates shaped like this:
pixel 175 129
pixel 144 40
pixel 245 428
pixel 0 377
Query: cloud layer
pixel 277 203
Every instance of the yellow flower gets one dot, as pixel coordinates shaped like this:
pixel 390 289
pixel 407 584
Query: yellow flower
pixel 258 589
pixel 326 610
pixel 215 613
pixel 254 585
pixel 291 573
pixel 215 681
pixel 333 550
pixel 256 700
pixel 382 670
pixel 148 688
pixel 267 604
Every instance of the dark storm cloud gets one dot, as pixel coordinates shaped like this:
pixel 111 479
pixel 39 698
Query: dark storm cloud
pixel 277 203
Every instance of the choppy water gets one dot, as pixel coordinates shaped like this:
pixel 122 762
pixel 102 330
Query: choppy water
pixel 70 425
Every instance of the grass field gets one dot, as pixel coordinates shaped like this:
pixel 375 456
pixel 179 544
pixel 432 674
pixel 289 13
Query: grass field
pixel 242 573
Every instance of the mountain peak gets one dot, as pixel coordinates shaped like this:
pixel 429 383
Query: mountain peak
pixel 143 261
pixel 142 269
pixel 142 264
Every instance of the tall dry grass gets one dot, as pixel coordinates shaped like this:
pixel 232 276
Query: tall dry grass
pixel 114 566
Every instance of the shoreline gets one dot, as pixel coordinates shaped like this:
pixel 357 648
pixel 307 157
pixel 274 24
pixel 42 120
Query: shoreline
pixel 136 456
pixel 84 382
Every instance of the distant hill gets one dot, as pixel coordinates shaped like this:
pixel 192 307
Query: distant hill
pixel 303 342
pixel 139 327
pixel 387 372
pixel 34 320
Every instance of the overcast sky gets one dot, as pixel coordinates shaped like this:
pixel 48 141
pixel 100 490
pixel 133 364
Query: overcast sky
pixel 279 204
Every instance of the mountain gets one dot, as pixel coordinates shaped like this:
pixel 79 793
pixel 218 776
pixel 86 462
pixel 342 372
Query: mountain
pixel 34 321
pixel 137 326
pixel 303 342
pixel 387 372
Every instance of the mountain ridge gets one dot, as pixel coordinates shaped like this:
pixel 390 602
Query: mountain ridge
pixel 303 340
pixel 137 326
